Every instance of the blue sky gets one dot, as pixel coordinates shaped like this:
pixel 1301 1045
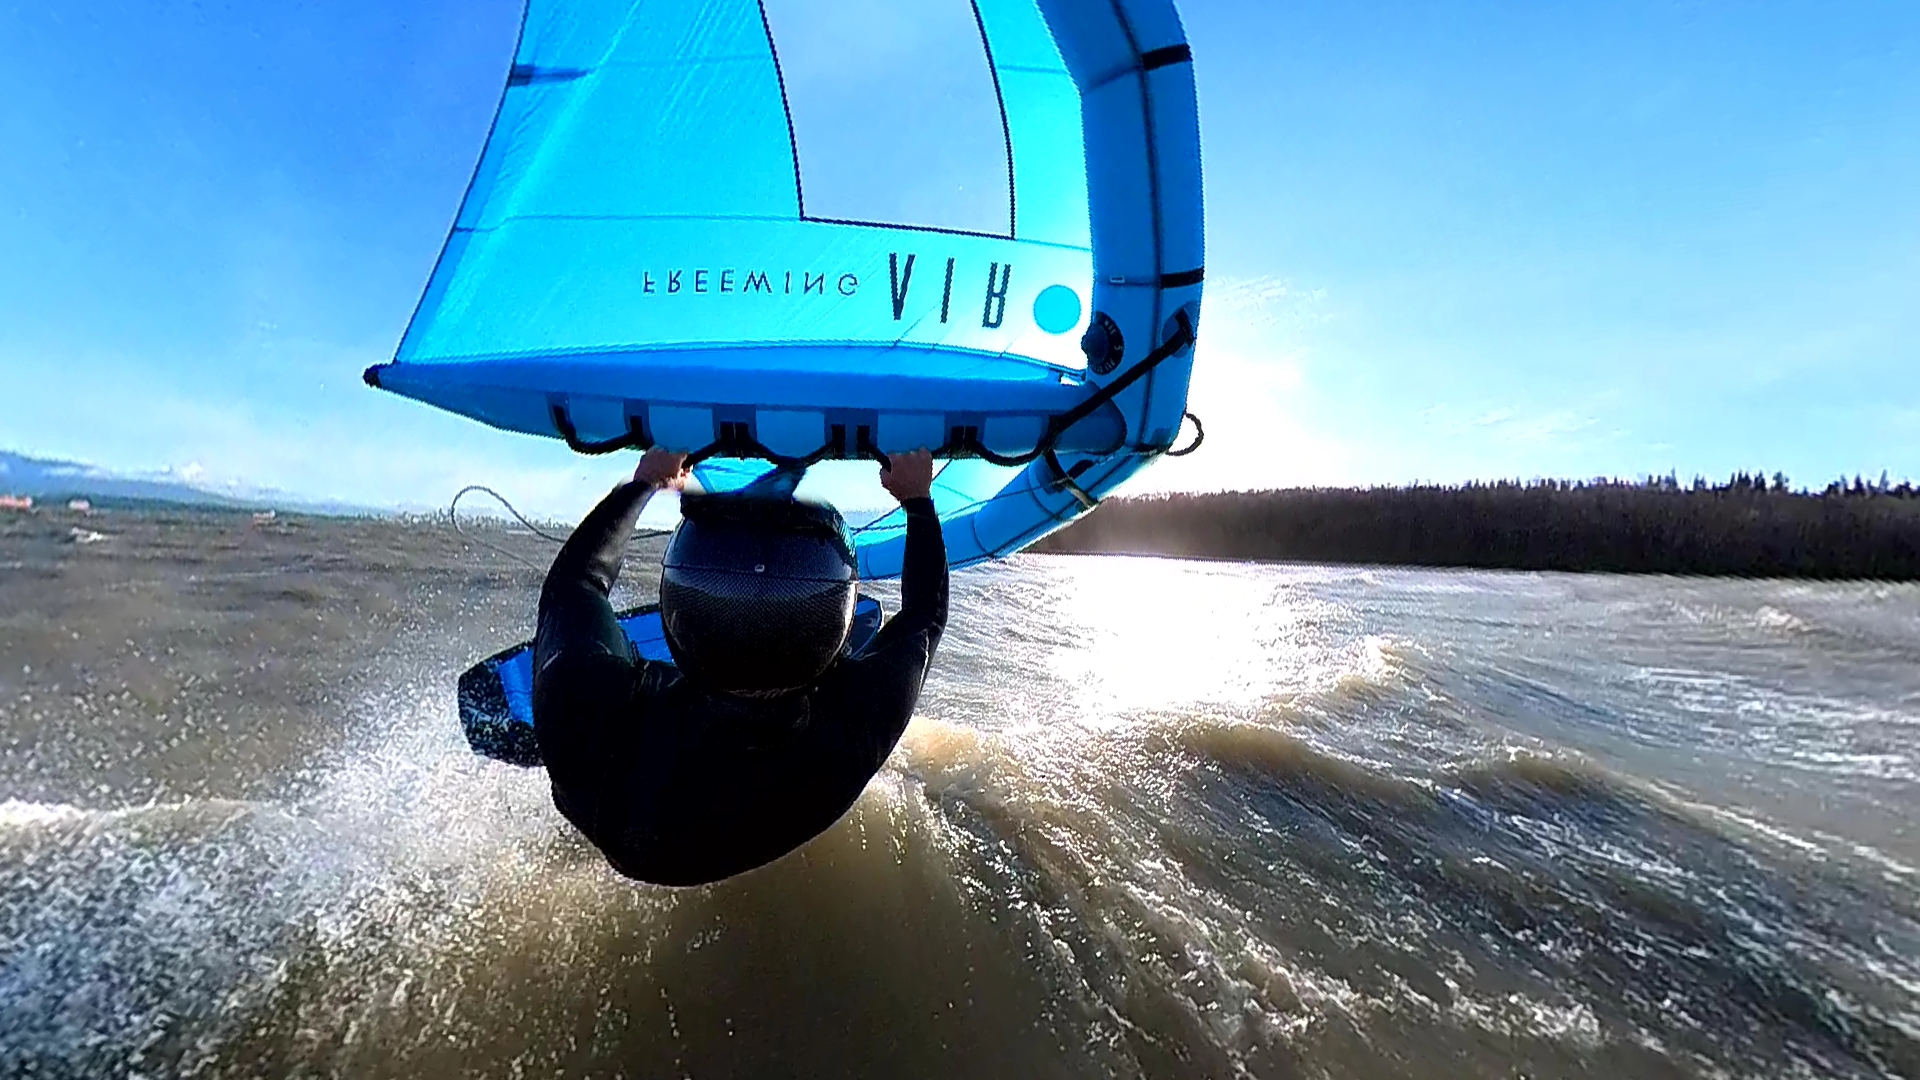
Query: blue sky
pixel 1446 242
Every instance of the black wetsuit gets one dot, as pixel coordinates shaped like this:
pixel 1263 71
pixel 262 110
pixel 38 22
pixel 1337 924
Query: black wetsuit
pixel 678 785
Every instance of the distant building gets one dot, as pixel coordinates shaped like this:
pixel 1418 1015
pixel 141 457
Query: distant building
pixel 80 506
pixel 16 502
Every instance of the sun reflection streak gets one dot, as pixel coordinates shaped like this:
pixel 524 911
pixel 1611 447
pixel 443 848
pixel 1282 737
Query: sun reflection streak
pixel 1146 634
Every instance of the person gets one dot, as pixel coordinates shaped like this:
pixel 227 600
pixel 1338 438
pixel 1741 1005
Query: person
pixel 679 782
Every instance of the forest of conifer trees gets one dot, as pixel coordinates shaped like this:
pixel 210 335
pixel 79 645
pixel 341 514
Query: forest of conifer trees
pixel 1751 525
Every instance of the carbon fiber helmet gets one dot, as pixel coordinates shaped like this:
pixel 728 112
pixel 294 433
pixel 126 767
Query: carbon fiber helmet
pixel 757 594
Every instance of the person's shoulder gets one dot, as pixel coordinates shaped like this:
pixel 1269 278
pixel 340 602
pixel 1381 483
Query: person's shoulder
pixel 655 677
pixel 876 661
pixel 847 673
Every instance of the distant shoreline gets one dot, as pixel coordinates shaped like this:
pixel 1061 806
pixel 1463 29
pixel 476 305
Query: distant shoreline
pixel 50 483
pixel 1744 528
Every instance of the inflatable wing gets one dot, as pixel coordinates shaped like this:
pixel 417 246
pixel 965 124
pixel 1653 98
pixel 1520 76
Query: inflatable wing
pixel 693 225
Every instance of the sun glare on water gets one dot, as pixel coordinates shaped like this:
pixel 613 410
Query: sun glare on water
pixel 1152 634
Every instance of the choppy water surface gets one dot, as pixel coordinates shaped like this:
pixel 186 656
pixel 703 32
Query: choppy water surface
pixel 1155 818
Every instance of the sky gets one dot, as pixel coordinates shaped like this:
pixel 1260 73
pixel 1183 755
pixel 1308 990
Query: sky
pixel 1445 242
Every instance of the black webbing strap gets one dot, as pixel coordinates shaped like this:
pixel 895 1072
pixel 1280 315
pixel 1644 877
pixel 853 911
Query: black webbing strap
pixel 735 441
pixel 635 438
pixel 967 443
pixel 1199 436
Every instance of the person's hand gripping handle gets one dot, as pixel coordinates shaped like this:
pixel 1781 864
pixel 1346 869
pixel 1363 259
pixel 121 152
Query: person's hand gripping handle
pixel 910 475
pixel 662 470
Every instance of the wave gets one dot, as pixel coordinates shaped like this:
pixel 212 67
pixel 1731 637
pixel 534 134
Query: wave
pixel 1538 898
pixel 1189 894
pixel 1597 882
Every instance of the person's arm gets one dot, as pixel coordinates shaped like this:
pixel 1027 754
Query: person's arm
pixel 594 552
pixel 923 577
pixel 873 697
pixel 923 573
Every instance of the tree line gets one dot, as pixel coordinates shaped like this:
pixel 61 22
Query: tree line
pixel 1751 525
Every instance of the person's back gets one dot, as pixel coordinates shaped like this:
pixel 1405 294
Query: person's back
pixel 680 783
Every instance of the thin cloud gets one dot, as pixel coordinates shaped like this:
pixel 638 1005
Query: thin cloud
pixel 1264 303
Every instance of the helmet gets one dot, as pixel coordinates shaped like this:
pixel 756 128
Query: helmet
pixel 757 594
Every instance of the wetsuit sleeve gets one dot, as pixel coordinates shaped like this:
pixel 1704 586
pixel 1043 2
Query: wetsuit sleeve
pixel 871 697
pixel 923 582
pixel 584 668
pixel 593 554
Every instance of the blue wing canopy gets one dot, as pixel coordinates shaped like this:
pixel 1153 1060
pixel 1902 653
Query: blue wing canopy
pixel 818 229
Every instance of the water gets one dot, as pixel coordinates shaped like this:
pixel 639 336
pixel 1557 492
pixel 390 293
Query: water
pixel 1154 818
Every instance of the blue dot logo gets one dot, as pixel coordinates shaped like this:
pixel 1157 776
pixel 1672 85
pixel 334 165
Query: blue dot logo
pixel 1057 309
